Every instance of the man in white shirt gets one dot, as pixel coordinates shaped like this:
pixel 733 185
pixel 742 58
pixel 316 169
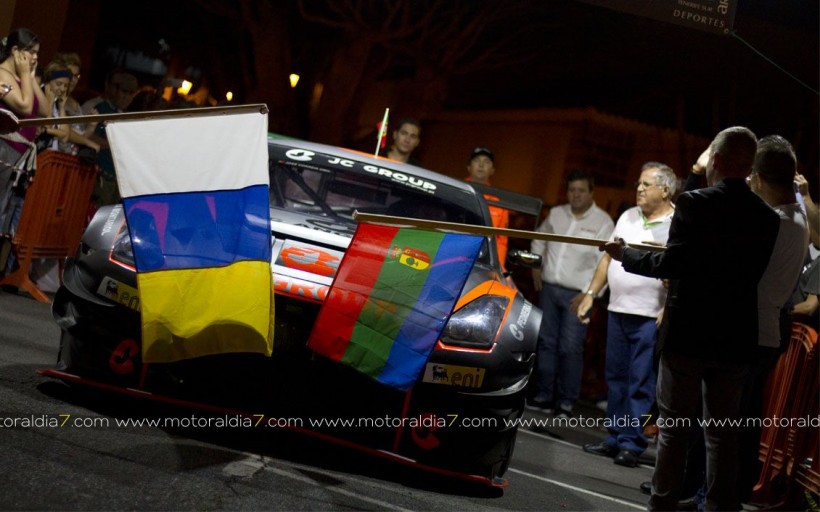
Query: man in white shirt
pixel 635 307
pixel 565 272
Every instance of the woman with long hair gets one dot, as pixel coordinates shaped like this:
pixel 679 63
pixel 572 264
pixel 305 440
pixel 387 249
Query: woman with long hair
pixel 18 64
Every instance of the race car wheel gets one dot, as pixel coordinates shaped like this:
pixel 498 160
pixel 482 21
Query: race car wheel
pixel 505 448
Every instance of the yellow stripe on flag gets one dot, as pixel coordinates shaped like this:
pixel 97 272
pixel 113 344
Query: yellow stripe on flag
pixel 198 312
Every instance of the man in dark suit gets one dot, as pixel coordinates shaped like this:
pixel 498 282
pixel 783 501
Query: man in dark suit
pixel 719 244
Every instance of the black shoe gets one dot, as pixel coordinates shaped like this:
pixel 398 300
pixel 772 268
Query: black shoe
pixel 646 487
pixel 539 405
pixel 602 449
pixel 563 412
pixel 627 458
pixel 687 504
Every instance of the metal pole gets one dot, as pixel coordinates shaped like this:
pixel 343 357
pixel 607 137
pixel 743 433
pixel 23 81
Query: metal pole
pixel 471 229
pixel 153 114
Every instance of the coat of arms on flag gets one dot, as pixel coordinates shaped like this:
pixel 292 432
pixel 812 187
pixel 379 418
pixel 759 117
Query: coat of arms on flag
pixel 391 298
pixel 196 198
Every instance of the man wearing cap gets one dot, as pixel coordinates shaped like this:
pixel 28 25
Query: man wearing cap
pixel 480 167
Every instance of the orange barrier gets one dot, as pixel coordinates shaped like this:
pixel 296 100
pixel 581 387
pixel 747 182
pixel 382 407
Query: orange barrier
pixel 53 216
pixel 790 453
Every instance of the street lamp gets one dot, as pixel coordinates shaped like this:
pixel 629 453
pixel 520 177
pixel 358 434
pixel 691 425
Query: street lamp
pixel 185 87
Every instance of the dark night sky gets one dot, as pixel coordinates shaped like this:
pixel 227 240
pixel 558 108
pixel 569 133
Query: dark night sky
pixel 586 55
pixel 638 68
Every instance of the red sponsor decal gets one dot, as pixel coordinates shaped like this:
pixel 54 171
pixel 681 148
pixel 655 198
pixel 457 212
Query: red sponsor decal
pixel 310 260
pixel 122 357
pixel 424 433
pixel 298 288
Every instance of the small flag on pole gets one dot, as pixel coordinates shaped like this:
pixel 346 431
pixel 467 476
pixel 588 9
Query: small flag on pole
pixel 393 294
pixel 382 126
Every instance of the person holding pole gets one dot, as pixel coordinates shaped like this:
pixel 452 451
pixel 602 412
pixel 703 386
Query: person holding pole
pixel 635 308
pixel 720 243
pixel 120 87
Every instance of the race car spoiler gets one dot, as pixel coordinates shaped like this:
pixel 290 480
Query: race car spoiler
pixel 510 200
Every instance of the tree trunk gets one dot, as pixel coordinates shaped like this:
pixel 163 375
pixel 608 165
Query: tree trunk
pixel 423 96
pixel 266 22
pixel 331 119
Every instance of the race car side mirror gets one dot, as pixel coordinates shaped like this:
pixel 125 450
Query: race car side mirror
pixel 524 258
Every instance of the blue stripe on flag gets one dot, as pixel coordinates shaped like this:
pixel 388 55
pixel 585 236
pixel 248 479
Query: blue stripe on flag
pixel 199 229
pixel 422 327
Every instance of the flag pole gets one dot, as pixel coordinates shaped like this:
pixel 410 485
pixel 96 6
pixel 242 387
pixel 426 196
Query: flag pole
pixel 471 229
pixel 153 114
pixel 382 131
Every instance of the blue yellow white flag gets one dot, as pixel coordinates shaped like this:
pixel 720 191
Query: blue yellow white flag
pixel 196 197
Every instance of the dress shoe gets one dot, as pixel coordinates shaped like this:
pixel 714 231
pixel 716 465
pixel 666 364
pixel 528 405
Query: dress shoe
pixel 687 504
pixel 602 449
pixel 627 458
pixel 646 487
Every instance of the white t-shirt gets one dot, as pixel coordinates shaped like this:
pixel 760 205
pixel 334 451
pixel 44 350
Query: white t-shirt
pixel 631 293
pixel 781 275
pixel 572 265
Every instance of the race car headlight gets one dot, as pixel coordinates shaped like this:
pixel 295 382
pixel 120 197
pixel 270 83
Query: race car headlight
pixel 122 250
pixel 476 324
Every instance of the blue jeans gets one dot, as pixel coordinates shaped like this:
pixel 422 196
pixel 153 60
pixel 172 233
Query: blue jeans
pixel 630 375
pixel 560 347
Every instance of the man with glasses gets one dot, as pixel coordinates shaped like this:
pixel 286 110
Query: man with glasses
pixel 720 243
pixel 635 309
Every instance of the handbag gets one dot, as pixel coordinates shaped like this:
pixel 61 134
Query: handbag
pixel 24 163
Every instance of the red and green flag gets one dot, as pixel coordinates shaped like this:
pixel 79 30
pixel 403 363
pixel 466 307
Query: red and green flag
pixel 392 296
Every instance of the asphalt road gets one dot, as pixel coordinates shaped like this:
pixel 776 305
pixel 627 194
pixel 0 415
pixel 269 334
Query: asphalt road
pixel 98 465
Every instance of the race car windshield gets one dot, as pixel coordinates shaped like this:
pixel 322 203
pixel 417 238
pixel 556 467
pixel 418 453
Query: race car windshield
pixel 336 193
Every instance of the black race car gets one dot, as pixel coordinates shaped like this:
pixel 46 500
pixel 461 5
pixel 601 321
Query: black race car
pixel 459 418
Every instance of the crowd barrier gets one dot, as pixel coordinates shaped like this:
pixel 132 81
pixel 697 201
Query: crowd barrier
pixel 53 217
pixel 791 464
